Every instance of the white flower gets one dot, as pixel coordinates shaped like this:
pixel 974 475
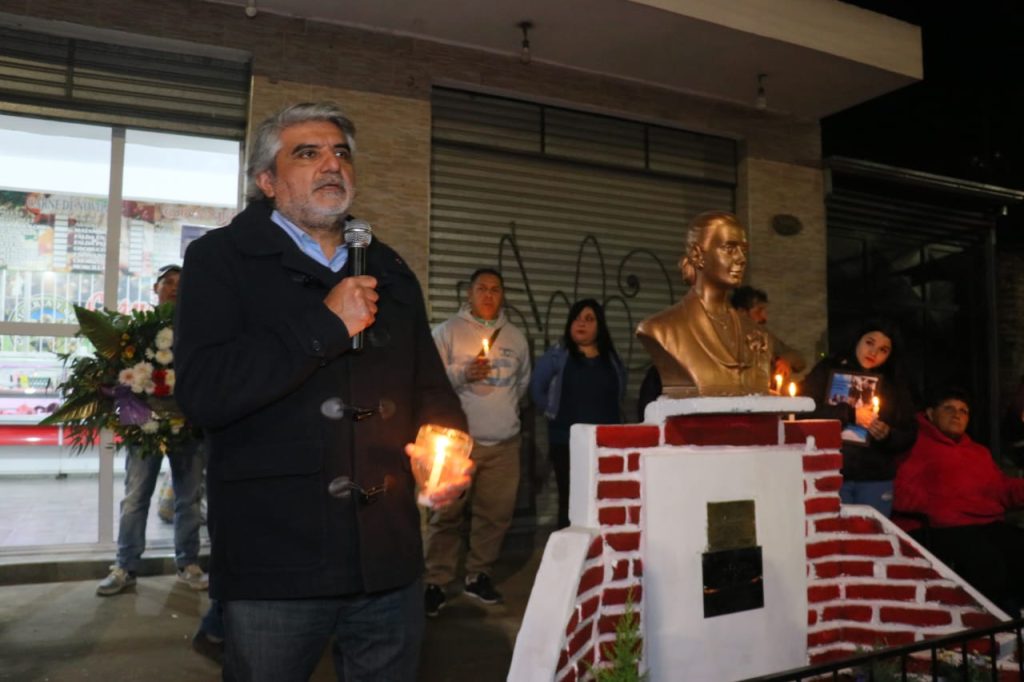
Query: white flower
pixel 164 339
pixel 164 357
pixel 150 427
pixel 169 379
pixel 148 387
pixel 141 377
pixel 126 377
pixel 150 354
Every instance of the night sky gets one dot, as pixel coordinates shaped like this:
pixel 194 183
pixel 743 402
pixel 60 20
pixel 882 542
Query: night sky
pixel 966 118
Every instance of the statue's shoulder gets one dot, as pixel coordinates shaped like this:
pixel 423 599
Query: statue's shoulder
pixel 669 318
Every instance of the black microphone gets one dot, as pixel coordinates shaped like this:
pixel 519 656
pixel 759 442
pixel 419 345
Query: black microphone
pixel 358 235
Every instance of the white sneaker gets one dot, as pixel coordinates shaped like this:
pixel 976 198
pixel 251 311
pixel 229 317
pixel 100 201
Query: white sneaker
pixel 116 582
pixel 194 577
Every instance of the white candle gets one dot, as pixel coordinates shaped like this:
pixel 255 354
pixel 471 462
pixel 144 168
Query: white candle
pixel 792 394
pixel 876 404
pixel 440 453
pixel 778 384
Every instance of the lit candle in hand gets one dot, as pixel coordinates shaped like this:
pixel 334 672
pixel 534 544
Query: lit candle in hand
pixel 440 453
pixel 486 348
pixel 876 405
pixel 778 384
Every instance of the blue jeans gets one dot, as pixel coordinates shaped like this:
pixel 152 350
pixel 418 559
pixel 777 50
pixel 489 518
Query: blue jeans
pixel 376 637
pixel 877 494
pixel 140 476
pixel 212 624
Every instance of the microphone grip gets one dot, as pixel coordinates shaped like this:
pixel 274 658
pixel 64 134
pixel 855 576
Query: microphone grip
pixel 358 254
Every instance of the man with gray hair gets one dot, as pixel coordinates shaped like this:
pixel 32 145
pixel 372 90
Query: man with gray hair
pixel 313 522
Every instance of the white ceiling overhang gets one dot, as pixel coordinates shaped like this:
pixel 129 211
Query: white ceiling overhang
pixel 819 56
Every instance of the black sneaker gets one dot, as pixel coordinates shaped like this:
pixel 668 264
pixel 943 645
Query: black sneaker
pixel 210 647
pixel 482 589
pixel 433 600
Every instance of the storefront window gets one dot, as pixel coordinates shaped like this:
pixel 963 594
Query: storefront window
pixel 55 239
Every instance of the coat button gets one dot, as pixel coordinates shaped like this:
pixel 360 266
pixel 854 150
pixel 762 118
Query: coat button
pixel 316 345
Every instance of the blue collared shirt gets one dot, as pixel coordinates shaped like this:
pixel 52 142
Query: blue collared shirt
pixel 310 246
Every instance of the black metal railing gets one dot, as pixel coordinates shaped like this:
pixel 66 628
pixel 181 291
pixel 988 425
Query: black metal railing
pixel 899 663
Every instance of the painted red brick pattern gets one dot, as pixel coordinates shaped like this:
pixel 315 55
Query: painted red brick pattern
pixel 909 616
pixel 823 637
pixel 822 505
pixel 855 613
pixel 631 436
pixel 591 578
pixel 949 595
pixel 825 433
pixel 902 572
pixel 973 620
pixel 820 593
pixel 611 516
pixel 617 595
pixel 834 569
pixel 618 490
pixel 589 607
pixel 872 637
pixel 828 484
pixel 611 464
pixel 882 592
pixel 595 548
pixel 816 550
pixel 623 542
pixel 634 461
pixel 828 462
pixel 638 568
pixel 722 429
pixel 877 548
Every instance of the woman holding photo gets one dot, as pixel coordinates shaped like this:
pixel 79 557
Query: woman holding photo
pixel 869 461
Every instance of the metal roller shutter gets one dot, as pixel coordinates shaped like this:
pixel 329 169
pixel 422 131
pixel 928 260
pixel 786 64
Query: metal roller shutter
pixel 567 205
pixel 115 84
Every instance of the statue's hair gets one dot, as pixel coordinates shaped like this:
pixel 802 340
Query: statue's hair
pixel 697 234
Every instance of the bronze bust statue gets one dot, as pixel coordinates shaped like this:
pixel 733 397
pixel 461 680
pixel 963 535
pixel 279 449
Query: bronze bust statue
pixel 701 345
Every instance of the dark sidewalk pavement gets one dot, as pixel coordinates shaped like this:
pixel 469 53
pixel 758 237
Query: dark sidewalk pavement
pixel 57 631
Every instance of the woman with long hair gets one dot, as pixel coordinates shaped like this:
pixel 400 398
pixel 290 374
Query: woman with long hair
pixel 868 367
pixel 579 380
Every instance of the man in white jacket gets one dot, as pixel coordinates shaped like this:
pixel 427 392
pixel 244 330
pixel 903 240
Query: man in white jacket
pixel 488 363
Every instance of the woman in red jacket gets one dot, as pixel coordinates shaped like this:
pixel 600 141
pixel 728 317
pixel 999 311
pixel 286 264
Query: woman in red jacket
pixel 952 482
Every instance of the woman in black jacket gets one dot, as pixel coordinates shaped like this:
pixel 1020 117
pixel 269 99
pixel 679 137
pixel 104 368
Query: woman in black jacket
pixel 869 463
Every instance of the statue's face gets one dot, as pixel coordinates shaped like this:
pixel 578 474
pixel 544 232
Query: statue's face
pixel 725 256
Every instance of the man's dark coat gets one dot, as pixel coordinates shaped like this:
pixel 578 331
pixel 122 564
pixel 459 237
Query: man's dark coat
pixel 257 355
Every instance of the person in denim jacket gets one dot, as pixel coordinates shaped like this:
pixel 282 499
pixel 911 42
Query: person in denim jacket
pixel 579 380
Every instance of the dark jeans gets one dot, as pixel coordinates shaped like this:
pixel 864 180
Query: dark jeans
pixel 375 637
pixel 990 557
pixel 559 454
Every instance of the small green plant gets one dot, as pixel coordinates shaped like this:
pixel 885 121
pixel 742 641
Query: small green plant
pixel 622 657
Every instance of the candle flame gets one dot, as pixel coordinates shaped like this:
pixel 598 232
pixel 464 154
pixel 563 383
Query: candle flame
pixel 792 389
pixel 487 346
pixel 778 383
pixel 876 404
pixel 440 453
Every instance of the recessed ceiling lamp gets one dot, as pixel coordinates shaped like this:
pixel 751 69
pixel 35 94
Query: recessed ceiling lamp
pixel 762 97
pixel 524 52
pixel 250 9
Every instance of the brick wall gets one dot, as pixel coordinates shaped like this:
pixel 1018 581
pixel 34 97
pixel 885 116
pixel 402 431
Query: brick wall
pixel 385 80
pixel 869 584
pixel 613 568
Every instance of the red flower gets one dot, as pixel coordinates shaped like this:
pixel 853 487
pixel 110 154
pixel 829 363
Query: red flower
pixel 161 390
pixel 160 378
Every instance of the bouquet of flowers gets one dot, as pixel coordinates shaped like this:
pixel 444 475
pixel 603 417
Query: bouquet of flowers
pixel 126 386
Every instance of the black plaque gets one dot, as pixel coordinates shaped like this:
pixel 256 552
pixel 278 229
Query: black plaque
pixel 733 581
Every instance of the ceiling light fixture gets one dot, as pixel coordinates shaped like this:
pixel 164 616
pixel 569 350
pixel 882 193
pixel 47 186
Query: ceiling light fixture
pixel 762 98
pixel 250 9
pixel 524 53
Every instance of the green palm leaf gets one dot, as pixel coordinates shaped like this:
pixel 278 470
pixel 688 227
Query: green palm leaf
pixel 98 327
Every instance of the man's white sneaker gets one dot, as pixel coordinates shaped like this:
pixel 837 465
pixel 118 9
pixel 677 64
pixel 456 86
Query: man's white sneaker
pixel 194 577
pixel 115 583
